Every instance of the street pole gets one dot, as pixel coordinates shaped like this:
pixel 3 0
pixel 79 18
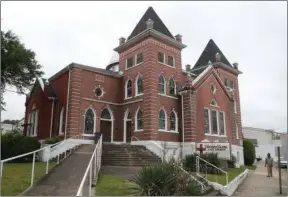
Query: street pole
pixel 279 170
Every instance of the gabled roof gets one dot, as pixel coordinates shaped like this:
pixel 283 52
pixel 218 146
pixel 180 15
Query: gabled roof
pixel 158 24
pixel 209 55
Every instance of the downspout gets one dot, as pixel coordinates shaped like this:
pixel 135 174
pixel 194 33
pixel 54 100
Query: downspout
pixel 52 114
pixel 68 91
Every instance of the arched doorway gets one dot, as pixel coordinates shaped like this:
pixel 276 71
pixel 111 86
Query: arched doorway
pixel 106 125
pixel 127 126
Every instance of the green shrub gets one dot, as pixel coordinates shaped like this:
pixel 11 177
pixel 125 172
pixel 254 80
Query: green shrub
pixel 14 143
pixel 249 152
pixel 165 179
pixel 190 162
pixel 52 140
pixel 231 162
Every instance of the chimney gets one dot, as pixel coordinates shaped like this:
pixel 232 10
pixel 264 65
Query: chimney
pixel 218 57
pixel 188 67
pixel 121 40
pixel 235 65
pixel 149 24
pixel 178 38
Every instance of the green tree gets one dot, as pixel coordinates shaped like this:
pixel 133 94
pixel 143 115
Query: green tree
pixel 249 152
pixel 19 68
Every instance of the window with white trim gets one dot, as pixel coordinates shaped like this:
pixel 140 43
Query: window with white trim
pixel 33 122
pixel 173 121
pixel 214 122
pixel 222 123
pixel 128 89
pixel 235 107
pixel 172 87
pixel 89 127
pixel 62 121
pixel 139 120
pixel 161 57
pixel 162 120
pixel 139 58
pixel 206 121
pixel 106 114
pixel 161 85
pixel 171 61
pixel 226 82
pixel 139 85
pixel 129 62
pixel 232 84
pixel 237 132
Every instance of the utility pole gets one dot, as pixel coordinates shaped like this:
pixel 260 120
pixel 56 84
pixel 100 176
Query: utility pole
pixel 279 170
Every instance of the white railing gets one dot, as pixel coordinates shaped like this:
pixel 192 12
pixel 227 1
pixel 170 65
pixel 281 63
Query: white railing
pixel 198 170
pixel 46 149
pixel 195 179
pixel 93 170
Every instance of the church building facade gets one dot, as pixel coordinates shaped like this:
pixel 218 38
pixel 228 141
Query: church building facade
pixel 144 97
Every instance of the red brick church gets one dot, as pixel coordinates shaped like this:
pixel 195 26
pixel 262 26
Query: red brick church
pixel 143 96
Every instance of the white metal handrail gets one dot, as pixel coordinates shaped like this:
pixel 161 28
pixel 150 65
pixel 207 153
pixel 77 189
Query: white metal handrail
pixel 198 159
pixel 48 147
pixel 93 171
pixel 195 179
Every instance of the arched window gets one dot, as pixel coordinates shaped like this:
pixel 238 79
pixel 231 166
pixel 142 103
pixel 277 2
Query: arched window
pixel 162 120
pixel 62 121
pixel 139 85
pixel 161 85
pixel 106 114
pixel 89 122
pixel 139 120
pixel 129 89
pixel 172 87
pixel 173 121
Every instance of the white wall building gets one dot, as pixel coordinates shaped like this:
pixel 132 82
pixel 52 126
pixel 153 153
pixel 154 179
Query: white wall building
pixel 265 141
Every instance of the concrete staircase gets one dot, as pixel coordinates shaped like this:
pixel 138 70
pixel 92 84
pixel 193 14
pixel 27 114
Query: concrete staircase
pixel 127 155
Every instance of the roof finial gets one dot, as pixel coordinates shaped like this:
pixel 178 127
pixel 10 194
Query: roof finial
pixel 178 38
pixel 235 65
pixel 122 40
pixel 218 57
pixel 209 62
pixel 188 67
pixel 149 24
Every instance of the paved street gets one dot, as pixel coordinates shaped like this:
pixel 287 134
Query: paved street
pixel 258 184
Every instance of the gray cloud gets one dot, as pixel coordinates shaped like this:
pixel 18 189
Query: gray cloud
pixel 251 33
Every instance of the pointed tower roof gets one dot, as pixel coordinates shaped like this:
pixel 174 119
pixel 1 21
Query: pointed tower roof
pixel 158 24
pixel 209 54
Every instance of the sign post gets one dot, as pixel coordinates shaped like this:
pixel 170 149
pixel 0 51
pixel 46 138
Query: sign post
pixel 279 170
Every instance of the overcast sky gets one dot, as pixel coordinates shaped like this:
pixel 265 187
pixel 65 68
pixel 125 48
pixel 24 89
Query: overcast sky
pixel 254 34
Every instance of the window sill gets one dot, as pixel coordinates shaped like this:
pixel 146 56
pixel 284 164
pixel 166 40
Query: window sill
pixel 61 134
pixel 88 135
pixel 139 95
pixel 215 135
pixel 163 64
pixel 134 66
pixel 138 130
pixel 160 94
pixel 128 98
pixel 167 131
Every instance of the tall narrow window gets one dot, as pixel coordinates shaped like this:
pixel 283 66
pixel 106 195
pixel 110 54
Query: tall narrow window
pixel 129 62
pixel 139 58
pixel 170 61
pixel 237 132
pixel 139 85
pixel 161 85
pixel 232 85
pixel 222 123
pixel 129 89
pixel 162 120
pixel 62 121
pixel 172 87
pixel 161 57
pixel 206 121
pixel 226 82
pixel 139 120
pixel 214 122
pixel 173 125
pixel 235 107
pixel 89 122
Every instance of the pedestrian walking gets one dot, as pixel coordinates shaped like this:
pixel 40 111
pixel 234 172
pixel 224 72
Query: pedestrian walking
pixel 269 165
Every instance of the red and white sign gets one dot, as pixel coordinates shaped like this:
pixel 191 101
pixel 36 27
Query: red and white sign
pixel 223 149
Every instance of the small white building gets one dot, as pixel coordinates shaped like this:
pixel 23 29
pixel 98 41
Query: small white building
pixel 6 127
pixel 266 141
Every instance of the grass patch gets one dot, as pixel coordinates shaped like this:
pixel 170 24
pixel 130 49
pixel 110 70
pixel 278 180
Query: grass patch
pixel 221 179
pixel 17 176
pixel 114 186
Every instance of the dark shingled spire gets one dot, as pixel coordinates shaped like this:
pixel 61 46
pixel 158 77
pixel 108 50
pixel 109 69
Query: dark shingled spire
pixel 158 24
pixel 209 55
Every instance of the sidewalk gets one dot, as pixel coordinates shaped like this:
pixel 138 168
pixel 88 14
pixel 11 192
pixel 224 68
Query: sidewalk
pixel 65 179
pixel 258 184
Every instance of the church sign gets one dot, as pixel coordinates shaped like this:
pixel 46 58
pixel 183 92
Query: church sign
pixel 99 78
pixel 223 149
